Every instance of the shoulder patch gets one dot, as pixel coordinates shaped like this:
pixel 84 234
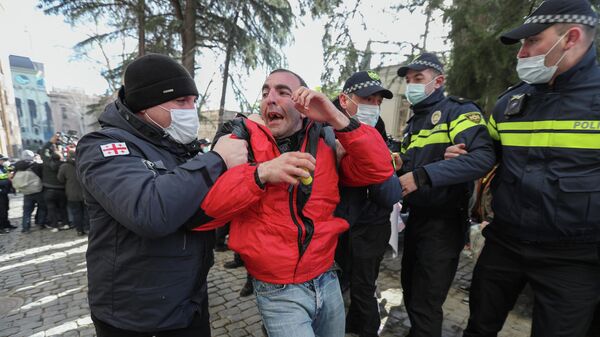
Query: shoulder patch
pixel 474 117
pixel 114 149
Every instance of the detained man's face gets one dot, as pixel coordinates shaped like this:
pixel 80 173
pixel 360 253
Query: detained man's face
pixel 276 107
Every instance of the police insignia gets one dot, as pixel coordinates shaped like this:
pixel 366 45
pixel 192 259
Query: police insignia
pixel 474 117
pixel 373 75
pixel 435 117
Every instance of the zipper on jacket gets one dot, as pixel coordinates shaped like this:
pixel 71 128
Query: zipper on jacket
pixel 291 190
pixel 184 240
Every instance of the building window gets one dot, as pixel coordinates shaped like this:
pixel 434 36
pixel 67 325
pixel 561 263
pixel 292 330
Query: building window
pixel 23 129
pixel 48 113
pixel 36 131
pixel 64 112
pixel 32 109
pixel 19 108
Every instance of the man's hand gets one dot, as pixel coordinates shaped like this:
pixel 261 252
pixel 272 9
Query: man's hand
pixel 233 151
pixel 455 151
pixel 286 168
pixel 318 107
pixel 407 181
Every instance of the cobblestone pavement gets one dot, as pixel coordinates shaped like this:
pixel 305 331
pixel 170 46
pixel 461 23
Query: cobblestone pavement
pixel 43 291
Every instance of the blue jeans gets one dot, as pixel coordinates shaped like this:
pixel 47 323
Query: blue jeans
pixel 312 308
pixel 77 215
pixel 30 201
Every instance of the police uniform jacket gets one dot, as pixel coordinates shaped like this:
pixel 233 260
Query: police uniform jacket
pixel 547 187
pixel 439 122
pixel 145 271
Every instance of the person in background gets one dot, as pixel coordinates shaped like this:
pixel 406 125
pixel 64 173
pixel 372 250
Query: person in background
pixel 367 210
pixel 27 179
pixel 5 188
pixel 75 205
pixel 54 190
pixel 204 145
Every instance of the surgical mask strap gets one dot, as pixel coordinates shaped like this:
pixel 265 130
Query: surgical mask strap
pixel 154 122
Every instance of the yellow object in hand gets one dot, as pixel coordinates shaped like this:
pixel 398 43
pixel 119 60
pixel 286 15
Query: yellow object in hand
pixel 306 181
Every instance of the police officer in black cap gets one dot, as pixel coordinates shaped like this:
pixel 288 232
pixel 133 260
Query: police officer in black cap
pixel 367 210
pixel 436 190
pixel 546 230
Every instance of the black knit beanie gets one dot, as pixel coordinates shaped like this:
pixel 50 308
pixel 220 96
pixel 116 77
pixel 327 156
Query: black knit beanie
pixel 154 79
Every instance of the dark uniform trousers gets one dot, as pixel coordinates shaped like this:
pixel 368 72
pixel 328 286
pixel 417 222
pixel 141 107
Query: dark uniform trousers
pixel 363 315
pixel 432 245
pixel 564 277
pixel 199 327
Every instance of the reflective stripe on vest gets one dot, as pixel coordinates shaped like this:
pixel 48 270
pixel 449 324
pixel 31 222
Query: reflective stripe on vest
pixel 551 133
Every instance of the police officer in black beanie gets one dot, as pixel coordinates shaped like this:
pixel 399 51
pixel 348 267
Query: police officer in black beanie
pixel 143 180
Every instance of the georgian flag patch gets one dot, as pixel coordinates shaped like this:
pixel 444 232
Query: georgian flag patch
pixel 114 149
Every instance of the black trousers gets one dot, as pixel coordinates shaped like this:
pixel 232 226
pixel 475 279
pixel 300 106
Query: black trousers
pixel 56 204
pixel 565 279
pixel 432 244
pixel 200 327
pixel 367 244
pixel 221 235
pixel 4 204
pixel 594 330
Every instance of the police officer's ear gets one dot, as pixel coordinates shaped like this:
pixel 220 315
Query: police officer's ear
pixel 572 37
pixel 343 101
pixel 439 81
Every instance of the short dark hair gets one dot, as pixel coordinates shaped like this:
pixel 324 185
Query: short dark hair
pixel 588 31
pixel 282 70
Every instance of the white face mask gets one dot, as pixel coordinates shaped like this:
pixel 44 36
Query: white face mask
pixel 184 125
pixel 417 92
pixel 366 113
pixel 533 69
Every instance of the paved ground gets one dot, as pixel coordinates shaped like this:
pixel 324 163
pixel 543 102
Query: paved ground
pixel 43 291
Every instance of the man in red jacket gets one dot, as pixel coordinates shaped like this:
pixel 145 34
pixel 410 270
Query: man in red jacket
pixel 281 203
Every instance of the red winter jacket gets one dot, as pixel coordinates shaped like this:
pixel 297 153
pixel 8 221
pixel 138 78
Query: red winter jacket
pixel 289 235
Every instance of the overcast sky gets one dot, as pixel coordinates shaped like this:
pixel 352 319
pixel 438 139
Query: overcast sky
pixel 27 31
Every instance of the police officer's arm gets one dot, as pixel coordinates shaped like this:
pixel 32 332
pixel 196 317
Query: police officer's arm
pixel 467 127
pixel 367 159
pixel 387 193
pixel 150 204
pixel 459 149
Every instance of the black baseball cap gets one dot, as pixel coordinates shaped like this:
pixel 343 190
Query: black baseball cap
pixel 365 84
pixel 551 12
pixel 422 62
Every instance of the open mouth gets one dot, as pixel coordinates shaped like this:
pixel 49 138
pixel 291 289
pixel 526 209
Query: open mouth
pixel 273 116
